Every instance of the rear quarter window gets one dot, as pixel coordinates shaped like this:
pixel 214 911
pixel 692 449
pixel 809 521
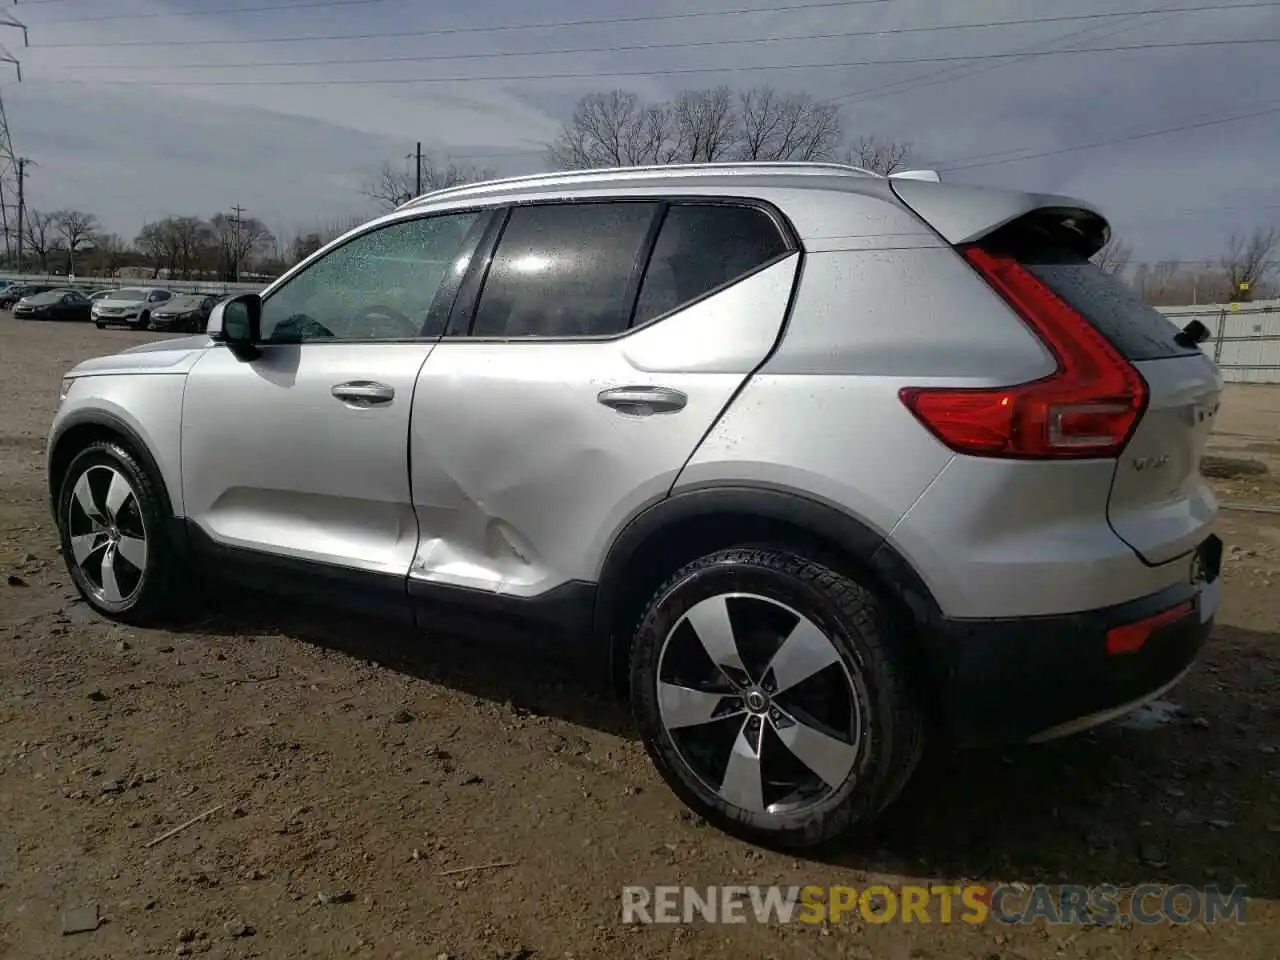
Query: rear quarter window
pixel 701 248
pixel 1136 329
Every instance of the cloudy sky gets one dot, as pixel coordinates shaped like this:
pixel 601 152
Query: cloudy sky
pixel 134 109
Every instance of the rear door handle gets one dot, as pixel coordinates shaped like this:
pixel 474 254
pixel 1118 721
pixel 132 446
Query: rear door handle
pixel 643 401
pixel 364 393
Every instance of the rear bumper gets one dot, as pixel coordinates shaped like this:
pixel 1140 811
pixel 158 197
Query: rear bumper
pixel 1037 678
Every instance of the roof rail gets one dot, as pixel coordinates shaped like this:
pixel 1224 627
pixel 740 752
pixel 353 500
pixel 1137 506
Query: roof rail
pixel 596 174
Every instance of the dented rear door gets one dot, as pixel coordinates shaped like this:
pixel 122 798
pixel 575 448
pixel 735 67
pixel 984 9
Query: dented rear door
pixel 603 346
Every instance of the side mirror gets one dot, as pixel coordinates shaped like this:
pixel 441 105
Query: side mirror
pixel 238 323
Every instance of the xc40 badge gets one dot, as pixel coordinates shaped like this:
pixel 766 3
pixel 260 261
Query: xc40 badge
pixel 1150 463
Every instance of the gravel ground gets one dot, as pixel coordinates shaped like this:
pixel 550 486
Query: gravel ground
pixel 351 766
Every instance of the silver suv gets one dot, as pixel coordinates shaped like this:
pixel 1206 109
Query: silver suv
pixel 818 461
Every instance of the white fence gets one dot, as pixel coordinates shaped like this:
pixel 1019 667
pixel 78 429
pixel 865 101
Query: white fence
pixel 1244 338
pixel 115 283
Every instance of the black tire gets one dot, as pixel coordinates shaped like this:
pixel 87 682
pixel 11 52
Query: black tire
pixel 150 596
pixel 886 733
pixel 99 324
pixel 144 321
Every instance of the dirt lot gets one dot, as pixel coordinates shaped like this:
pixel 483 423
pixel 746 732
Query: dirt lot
pixel 352 765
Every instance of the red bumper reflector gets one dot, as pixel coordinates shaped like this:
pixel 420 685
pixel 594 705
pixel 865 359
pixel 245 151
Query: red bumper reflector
pixel 1131 637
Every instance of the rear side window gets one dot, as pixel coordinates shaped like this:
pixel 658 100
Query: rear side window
pixel 565 270
pixel 702 247
pixel 1136 329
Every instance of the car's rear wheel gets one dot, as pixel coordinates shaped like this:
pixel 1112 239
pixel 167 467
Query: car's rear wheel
pixel 772 697
pixel 113 523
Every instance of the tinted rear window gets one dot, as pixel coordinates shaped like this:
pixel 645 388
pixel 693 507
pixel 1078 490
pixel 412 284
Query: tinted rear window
pixel 565 270
pixel 1137 330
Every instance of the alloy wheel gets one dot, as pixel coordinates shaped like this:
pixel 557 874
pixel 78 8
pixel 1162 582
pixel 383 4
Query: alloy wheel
pixel 759 703
pixel 107 534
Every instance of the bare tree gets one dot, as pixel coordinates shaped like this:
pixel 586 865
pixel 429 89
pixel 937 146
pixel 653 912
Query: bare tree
pixel 1248 260
pixel 1173 284
pixel 41 234
pixel 615 129
pixel 391 186
pixel 877 155
pixel 775 126
pixel 76 228
pixel 108 253
pixel 704 124
pixel 304 245
pixel 237 239
pixel 189 243
pixel 1114 256
pixel 152 243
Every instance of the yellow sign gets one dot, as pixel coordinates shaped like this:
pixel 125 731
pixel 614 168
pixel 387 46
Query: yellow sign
pixel 1235 307
pixel 1244 285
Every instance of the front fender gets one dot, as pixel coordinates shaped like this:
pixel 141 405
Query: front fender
pixel 145 412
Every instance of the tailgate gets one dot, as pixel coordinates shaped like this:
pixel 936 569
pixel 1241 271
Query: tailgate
pixel 1160 504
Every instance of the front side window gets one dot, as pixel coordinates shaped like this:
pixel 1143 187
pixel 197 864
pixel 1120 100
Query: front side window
pixel 565 270
pixel 381 285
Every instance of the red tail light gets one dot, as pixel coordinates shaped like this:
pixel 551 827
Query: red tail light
pixel 1087 408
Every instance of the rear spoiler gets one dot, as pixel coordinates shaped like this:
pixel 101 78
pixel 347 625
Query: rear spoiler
pixel 963 214
pixel 930 176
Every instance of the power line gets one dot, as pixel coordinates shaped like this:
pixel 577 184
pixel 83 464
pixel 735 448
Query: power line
pixel 680 71
pixel 1128 138
pixel 402 34
pixel 951 74
pixel 562 51
pixel 312 4
pixel 307 5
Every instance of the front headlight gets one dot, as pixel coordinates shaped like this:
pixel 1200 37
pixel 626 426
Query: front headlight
pixel 65 388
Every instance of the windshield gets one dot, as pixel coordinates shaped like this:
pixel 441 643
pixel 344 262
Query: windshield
pixel 129 293
pixel 184 303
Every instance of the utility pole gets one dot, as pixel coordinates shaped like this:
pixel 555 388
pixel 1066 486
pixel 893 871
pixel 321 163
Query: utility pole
pixel 417 192
pixel 8 158
pixel 235 221
pixel 22 175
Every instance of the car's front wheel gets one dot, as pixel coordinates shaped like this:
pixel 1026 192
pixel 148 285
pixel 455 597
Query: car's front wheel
pixel 112 520
pixel 143 322
pixel 773 696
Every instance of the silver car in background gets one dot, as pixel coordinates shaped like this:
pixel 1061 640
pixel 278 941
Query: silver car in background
pixel 128 306
pixel 813 460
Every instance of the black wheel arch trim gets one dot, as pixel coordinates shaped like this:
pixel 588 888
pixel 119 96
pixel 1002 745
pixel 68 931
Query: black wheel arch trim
pixel 107 421
pixel 854 538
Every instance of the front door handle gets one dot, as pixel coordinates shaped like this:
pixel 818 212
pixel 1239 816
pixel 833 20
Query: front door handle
pixel 643 401
pixel 364 393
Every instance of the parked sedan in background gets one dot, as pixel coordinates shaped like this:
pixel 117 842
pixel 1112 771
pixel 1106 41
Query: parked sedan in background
pixel 130 307
pixel 58 304
pixel 17 291
pixel 186 313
